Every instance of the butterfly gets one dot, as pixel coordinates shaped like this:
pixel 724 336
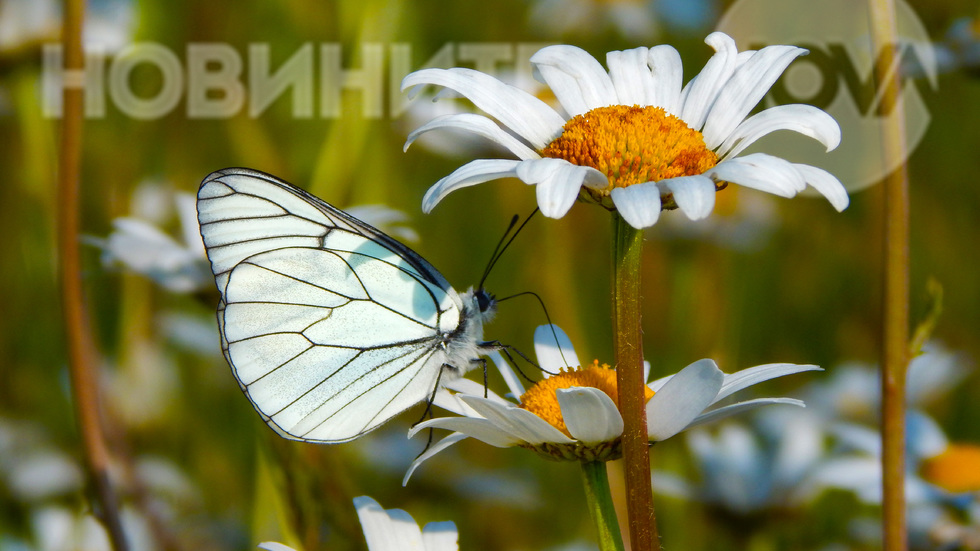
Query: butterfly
pixel 330 326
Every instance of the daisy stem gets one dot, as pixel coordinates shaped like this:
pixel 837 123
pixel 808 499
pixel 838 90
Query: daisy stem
pixel 81 354
pixel 895 346
pixel 601 505
pixel 628 343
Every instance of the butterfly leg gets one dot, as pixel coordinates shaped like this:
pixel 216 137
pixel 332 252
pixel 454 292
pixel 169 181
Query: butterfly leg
pixel 432 397
pixel 505 350
pixel 486 383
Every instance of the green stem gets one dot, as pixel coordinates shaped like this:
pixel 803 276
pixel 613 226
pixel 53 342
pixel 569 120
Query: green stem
pixel 895 346
pixel 628 349
pixel 81 354
pixel 601 505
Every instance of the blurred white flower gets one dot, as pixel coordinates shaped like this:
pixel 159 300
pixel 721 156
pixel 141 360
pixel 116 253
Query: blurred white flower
pixel 937 471
pixel 572 414
pixel 633 19
pixel 958 50
pixel 942 483
pixel 742 220
pixel 109 25
pixel 178 265
pixel 748 469
pixel 44 474
pixel 57 528
pixel 853 390
pixel 394 530
pixel 40 477
pixel 960 531
pixel 391 221
pixel 32 468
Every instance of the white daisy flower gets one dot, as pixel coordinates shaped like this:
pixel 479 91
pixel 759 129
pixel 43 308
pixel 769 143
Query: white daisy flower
pixel 634 140
pixel 572 415
pixel 394 530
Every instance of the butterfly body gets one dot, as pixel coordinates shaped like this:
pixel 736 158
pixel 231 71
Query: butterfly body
pixel 330 326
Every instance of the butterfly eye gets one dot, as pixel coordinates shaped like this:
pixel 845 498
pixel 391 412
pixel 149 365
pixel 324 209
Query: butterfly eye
pixel 484 300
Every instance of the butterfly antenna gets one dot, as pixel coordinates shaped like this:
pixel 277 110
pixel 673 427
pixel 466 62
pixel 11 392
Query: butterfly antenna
pixel 496 250
pixel 504 242
pixel 546 316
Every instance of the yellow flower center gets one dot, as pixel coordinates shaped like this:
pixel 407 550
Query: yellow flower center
pixel 632 145
pixel 542 400
pixel 957 469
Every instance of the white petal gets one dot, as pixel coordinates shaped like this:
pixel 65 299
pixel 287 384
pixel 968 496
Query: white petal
pixel 517 422
pixel 510 378
pixel 804 119
pixel 470 174
pixel 630 75
pixel 577 79
pixel 694 195
pixel 665 483
pixel 432 450
pixel 590 414
pixel 744 89
pixel 826 184
pixel 659 383
pixel 861 475
pixel 473 427
pixel 728 411
pixel 762 172
pixel 668 77
pixel 387 530
pixel 925 438
pixel 699 94
pixel 274 546
pixel 143 247
pixel 799 445
pixel 558 183
pixel 638 204
pixel 682 399
pixel 467 386
pixel 553 349
pixel 531 118
pixel 478 124
pixel 450 401
pixel 857 437
pixel 440 536
pixel 755 375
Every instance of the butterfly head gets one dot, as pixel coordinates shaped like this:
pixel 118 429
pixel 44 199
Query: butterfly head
pixel 486 303
pixel 479 305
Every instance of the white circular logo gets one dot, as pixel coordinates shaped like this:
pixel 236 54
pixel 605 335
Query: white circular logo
pixel 837 76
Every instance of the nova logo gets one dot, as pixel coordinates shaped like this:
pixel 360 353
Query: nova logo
pixel 838 76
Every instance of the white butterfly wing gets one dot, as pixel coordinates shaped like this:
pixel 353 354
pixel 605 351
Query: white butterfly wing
pixel 330 326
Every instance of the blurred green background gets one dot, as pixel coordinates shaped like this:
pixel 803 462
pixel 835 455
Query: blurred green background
pixel 805 289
